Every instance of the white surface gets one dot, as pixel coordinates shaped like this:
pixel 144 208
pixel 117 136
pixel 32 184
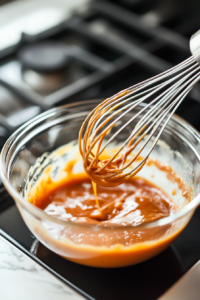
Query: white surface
pixel 23 279
pixel 33 17
pixel 187 288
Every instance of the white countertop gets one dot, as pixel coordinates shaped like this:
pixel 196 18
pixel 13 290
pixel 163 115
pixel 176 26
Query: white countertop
pixel 22 278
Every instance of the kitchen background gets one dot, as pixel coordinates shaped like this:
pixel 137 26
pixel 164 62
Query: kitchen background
pixel 57 52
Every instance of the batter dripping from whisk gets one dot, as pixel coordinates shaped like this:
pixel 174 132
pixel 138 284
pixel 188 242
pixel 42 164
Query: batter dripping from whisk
pixel 165 91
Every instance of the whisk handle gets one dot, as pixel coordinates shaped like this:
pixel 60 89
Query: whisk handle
pixel 195 45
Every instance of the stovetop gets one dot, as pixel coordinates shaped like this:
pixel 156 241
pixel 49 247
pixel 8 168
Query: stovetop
pixel 104 46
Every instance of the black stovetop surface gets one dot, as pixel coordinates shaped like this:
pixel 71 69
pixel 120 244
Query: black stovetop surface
pixel 147 280
pixel 110 45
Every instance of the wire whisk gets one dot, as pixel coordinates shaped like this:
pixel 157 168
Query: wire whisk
pixel 162 93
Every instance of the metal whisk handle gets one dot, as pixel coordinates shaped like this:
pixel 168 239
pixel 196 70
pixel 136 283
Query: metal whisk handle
pixel 195 45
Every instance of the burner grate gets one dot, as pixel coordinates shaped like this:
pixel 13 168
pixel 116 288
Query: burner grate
pixel 101 41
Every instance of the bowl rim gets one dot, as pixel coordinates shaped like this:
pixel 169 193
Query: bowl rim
pixel 39 213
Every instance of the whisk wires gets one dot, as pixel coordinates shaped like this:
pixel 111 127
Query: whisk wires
pixel 162 94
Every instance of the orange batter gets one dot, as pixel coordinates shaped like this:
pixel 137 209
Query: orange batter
pixel 134 202
pixel 113 238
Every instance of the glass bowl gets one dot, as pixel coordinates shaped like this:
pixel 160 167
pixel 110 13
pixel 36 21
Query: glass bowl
pixel 114 246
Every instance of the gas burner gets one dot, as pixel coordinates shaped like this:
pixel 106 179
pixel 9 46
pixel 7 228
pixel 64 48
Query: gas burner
pixel 48 56
pixel 44 65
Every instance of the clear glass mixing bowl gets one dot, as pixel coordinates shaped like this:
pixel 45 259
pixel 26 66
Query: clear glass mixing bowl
pixel 106 246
